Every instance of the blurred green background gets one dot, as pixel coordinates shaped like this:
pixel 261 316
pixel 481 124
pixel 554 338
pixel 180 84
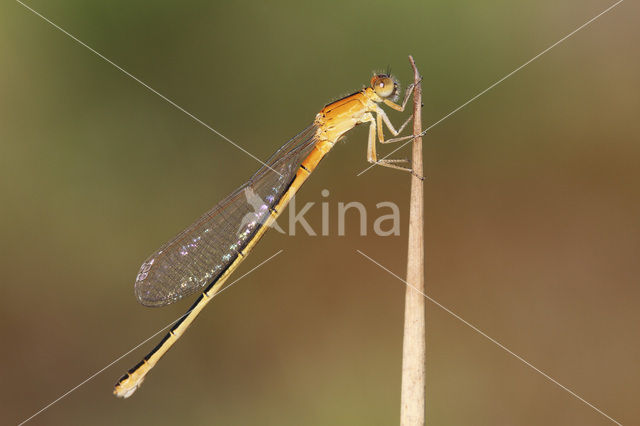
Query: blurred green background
pixel 532 211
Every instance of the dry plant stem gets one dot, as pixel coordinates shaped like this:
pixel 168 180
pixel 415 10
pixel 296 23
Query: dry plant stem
pixel 413 395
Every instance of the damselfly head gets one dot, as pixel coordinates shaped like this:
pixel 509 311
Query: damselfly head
pixel 385 85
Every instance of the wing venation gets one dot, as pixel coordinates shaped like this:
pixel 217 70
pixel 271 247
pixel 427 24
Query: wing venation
pixel 203 251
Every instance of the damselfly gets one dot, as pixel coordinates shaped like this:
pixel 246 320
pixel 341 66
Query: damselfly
pixel 204 255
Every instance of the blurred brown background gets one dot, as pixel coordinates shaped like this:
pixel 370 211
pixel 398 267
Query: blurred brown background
pixel 532 211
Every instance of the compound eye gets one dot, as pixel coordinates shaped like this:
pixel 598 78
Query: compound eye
pixel 383 86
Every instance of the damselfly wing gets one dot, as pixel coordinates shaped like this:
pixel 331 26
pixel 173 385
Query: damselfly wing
pixel 199 254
